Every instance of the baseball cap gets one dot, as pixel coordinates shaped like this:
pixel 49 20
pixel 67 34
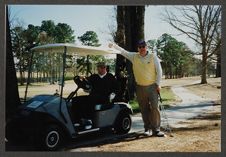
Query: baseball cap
pixel 101 64
pixel 141 42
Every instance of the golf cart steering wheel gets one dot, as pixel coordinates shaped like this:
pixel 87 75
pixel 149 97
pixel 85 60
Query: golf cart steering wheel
pixel 82 83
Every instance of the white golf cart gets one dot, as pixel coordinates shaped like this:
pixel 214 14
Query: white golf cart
pixel 47 118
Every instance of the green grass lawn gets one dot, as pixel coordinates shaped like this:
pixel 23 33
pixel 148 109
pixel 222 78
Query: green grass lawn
pixel 167 97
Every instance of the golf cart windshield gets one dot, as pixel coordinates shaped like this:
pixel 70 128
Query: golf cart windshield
pixel 53 67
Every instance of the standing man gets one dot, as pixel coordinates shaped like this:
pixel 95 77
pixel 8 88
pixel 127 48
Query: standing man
pixel 147 72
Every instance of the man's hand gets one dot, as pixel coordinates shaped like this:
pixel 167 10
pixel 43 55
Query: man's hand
pixel 83 78
pixel 110 45
pixel 112 96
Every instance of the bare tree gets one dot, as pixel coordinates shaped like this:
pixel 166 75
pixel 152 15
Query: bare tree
pixel 201 24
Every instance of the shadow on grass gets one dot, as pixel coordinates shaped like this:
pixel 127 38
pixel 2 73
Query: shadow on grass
pixel 199 84
pixel 193 105
pixel 215 116
pixel 136 108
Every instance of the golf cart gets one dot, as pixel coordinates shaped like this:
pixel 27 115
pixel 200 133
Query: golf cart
pixel 47 118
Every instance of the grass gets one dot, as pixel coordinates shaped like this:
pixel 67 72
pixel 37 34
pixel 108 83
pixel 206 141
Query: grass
pixel 167 98
pixel 135 106
pixel 167 95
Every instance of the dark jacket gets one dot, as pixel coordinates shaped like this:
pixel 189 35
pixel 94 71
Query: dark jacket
pixel 103 87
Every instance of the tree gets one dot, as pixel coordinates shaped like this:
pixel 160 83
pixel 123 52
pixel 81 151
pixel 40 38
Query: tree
pixel 217 57
pixel 119 38
pixel 130 29
pixel 120 66
pixel 22 41
pixel 151 44
pixel 31 34
pixel 18 49
pixel 64 33
pixel 168 45
pixel 60 33
pixel 175 56
pixel 200 23
pixel 218 67
pixel 134 31
pixel 89 38
pixel 12 94
pixel 48 27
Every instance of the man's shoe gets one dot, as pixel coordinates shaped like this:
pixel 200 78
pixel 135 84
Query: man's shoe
pixel 159 134
pixel 148 132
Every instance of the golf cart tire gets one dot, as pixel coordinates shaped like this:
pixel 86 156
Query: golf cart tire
pixel 51 138
pixel 123 123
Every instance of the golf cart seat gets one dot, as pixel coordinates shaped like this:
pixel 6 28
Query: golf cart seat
pixel 81 103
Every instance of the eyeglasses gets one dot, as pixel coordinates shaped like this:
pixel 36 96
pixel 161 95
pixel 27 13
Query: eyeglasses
pixel 141 47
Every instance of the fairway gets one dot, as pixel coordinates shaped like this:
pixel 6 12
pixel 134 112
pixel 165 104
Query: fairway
pixel 46 88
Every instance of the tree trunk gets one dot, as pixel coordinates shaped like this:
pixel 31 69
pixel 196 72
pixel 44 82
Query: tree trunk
pixel 21 76
pixel 218 70
pixel 12 94
pixel 134 31
pixel 139 25
pixel 129 28
pixel 204 68
pixel 170 71
pixel 37 79
pixel 87 66
pixel 120 40
pixel 120 68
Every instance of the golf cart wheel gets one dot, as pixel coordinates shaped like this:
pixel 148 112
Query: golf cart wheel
pixel 123 123
pixel 52 138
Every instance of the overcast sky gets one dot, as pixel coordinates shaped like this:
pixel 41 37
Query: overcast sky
pixel 98 18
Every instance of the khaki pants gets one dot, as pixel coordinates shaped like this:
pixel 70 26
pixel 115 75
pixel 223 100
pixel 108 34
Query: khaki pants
pixel 147 97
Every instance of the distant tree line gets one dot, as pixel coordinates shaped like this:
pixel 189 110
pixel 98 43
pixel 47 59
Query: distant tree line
pixel 23 39
pixel 176 58
pixel 46 67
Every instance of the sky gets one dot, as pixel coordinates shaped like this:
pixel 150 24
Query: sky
pixel 98 18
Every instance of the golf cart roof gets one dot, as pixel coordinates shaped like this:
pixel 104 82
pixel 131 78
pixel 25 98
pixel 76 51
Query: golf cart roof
pixel 74 49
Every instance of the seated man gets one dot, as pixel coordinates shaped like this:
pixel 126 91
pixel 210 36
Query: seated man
pixel 103 85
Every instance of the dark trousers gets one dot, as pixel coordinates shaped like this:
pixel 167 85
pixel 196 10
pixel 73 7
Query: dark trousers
pixel 84 106
pixel 147 97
